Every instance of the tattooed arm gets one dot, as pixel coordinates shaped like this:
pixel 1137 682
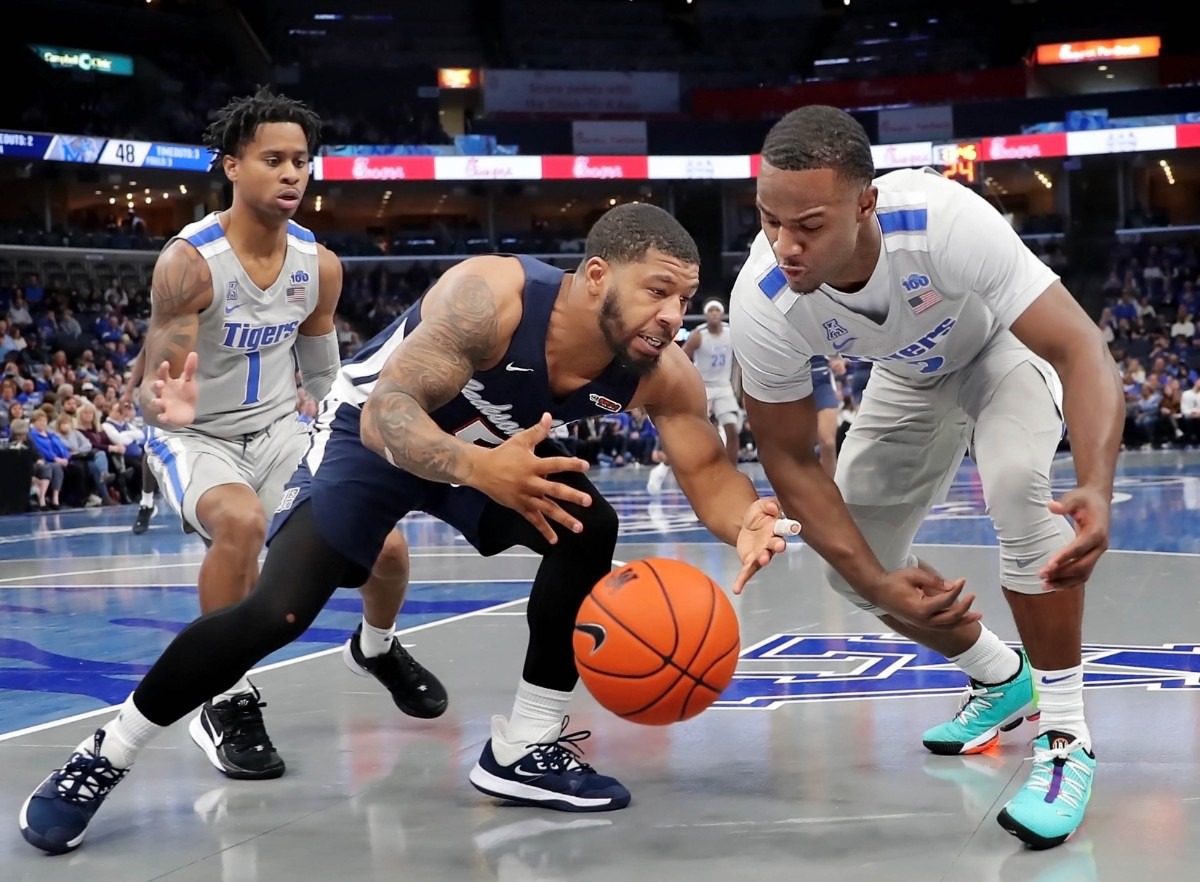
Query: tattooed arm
pixel 179 291
pixel 467 319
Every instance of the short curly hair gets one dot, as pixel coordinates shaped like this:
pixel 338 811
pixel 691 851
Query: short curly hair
pixel 235 124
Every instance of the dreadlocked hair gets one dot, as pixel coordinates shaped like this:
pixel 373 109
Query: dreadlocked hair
pixel 235 124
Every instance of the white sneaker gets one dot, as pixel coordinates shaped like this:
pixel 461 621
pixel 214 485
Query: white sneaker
pixel 658 477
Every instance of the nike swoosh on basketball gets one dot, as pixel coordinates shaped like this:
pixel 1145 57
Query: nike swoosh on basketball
pixel 596 632
pixel 845 343
pixel 1051 680
pixel 512 367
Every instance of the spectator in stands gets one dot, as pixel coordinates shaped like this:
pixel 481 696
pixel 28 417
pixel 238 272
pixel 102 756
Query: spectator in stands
pixel 16 411
pixel 1168 429
pixel 641 437
pixel 581 440
pixel 1126 308
pixel 1148 412
pixel 1183 325
pixel 1189 408
pixel 7 342
pixel 91 428
pixel 53 459
pixel 29 395
pixel 121 430
pixel 18 313
pixel 68 327
pixel 34 293
pixel 614 439
pixel 94 462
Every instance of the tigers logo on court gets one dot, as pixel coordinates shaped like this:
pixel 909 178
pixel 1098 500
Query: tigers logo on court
pixel 794 668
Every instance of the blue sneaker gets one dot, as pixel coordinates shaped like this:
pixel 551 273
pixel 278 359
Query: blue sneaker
pixel 1050 807
pixel 985 712
pixel 548 773
pixel 55 817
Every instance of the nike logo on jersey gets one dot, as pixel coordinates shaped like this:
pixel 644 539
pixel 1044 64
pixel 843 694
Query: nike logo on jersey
pixel 512 367
pixel 840 346
pixel 229 309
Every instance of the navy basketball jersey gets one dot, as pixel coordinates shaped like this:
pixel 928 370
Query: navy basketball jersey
pixel 498 403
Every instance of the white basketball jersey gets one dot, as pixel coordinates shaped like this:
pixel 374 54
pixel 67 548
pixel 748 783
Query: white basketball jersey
pixel 952 275
pixel 714 356
pixel 247 372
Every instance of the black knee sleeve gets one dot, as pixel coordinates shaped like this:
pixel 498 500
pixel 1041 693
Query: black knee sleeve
pixel 211 654
pixel 569 569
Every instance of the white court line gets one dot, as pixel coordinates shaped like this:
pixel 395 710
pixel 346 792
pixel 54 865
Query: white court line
pixel 53 724
pixel 143 585
pixel 188 563
pixel 40 727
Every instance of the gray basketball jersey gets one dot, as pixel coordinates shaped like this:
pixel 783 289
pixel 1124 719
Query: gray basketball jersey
pixel 247 373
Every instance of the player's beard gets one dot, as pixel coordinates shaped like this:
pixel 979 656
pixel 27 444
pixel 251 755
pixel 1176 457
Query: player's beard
pixel 612 326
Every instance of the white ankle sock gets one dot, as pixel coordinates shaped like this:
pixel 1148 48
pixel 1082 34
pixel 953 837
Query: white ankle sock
pixel 537 715
pixel 989 661
pixel 147 500
pixel 375 641
pixel 241 687
pixel 1060 701
pixel 125 736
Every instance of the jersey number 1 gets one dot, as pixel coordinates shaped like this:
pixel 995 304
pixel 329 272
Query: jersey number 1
pixel 253 376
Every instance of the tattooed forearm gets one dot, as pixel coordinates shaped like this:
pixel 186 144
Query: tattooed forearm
pixel 181 288
pixel 459 330
pixel 397 427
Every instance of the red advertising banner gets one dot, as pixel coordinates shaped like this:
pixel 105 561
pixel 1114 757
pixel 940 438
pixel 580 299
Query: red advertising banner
pixel 581 168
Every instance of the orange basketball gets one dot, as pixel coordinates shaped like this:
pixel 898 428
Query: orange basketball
pixel 656 641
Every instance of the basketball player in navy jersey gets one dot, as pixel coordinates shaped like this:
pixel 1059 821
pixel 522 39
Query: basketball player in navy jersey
pixel 238 299
pixel 977 346
pixel 447 411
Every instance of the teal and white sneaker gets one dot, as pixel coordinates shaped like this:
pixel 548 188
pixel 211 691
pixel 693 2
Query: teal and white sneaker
pixel 1049 808
pixel 985 712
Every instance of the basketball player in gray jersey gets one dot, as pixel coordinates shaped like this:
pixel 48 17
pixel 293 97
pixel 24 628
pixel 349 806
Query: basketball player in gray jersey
pixel 236 297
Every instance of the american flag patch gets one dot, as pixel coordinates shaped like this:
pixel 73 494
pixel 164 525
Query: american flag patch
pixel 297 294
pixel 925 300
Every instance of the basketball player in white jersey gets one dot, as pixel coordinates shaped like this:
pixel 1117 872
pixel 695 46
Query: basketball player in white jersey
pixel 141 523
pixel 235 297
pixel 920 276
pixel 711 350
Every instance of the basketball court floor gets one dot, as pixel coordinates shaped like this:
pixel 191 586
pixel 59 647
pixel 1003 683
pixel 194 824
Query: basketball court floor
pixel 809 768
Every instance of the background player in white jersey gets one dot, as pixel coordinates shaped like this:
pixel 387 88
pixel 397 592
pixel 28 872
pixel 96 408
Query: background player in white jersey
pixel 235 298
pixel 826 399
pixel 920 276
pixel 711 350
pixel 141 523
